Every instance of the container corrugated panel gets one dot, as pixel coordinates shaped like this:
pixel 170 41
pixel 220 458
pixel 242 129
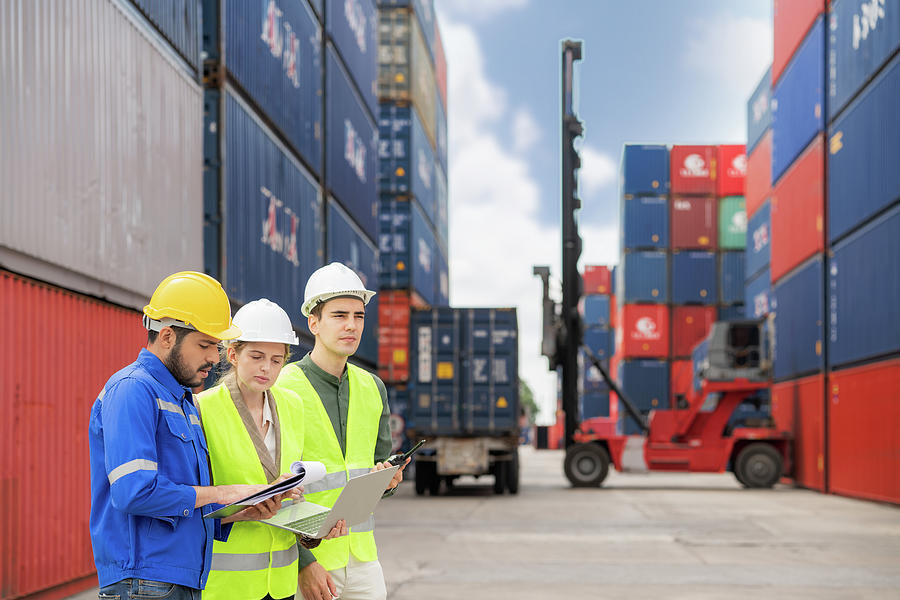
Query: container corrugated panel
pixel 731 277
pixel 690 325
pixel 798 206
pixel 759 111
pixel 758 242
pixel 864 292
pixel 353 27
pixel 732 223
pixel 318 7
pixel 440 64
pixel 694 278
pixel 681 373
pixel 598 341
pixel 123 181
pixel 694 222
pixel 393 335
pixel 732 165
pixel 351 141
pixel 732 312
pixel 646 222
pixel 862 35
pixel 798 107
pixel 406 163
pixel 646 277
pixel 405 70
pixel 758 183
pixel 644 331
pixel 645 170
pixel 594 404
pixel 645 382
pixel 407 248
pixel 863 443
pixel 425 16
pixel 693 170
pixel 442 280
pixel 759 298
pixel 597 280
pixel 44 447
pixel 179 21
pixel 596 310
pixel 440 132
pixel 435 377
pixel 799 407
pixel 864 148
pixel 792 20
pixel 348 245
pixel 799 321
pixel 273 225
pixel 274 54
pixel 490 401
pixel 441 209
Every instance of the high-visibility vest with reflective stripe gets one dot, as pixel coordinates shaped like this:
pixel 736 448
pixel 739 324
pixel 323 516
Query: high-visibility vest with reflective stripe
pixel 321 443
pixel 257 559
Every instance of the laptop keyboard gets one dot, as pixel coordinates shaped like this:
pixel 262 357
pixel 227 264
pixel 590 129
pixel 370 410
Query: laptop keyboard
pixel 308 524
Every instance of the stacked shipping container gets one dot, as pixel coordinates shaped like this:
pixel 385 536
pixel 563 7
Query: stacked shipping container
pixel 598 316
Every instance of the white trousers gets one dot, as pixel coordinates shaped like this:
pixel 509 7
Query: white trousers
pixel 360 580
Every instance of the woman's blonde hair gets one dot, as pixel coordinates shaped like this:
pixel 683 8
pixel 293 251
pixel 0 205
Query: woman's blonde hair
pixel 229 369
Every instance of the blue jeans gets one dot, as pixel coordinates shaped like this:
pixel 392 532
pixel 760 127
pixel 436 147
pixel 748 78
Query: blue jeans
pixel 143 589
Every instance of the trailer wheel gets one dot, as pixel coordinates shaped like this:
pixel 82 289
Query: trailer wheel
pixel 500 469
pixel 512 473
pixel 586 465
pixel 425 473
pixel 758 465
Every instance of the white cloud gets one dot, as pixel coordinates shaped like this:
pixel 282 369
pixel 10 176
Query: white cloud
pixel 525 131
pixel 477 10
pixel 598 170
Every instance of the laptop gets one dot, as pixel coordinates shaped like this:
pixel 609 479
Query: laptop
pixel 355 505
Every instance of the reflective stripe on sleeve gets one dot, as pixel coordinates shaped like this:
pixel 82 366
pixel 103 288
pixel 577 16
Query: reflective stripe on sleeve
pixel 138 464
pixel 195 420
pixel 169 406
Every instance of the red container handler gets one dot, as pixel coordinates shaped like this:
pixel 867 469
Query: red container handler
pixel 792 20
pixel 596 280
pixel 732 167
pixel 59 349
pixel 694 223
pixel 644 331
pixel 758 183
pixel 801 402
pixel 681 379
pixel 863 439
pixel 692 170
pixel 798 205
pixel 690 324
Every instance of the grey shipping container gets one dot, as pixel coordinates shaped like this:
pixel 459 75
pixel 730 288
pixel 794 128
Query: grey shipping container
pixel 100 151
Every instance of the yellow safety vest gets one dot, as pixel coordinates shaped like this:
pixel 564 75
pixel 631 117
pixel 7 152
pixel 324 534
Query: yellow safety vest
pixel 257 559
pixel 321 443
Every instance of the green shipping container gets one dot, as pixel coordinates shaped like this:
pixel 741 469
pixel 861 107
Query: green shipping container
pixel 732 223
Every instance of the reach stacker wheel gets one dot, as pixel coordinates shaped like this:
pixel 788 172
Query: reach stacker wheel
pixel 758 465
pixel 587 465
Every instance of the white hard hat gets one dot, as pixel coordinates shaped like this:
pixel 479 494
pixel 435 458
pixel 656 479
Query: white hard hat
pixel 330 282
pixel 264 321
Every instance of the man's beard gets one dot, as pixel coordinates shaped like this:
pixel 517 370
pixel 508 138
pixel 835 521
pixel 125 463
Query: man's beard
pixel 181 372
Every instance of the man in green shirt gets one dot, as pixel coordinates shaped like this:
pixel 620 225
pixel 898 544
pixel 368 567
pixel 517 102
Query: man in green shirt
pixel 347 427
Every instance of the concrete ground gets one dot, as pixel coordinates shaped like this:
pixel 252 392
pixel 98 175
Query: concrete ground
pixel 641 536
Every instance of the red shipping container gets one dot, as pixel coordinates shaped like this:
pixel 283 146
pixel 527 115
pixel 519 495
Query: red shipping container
pixel 732 164
pixel 692 170
pixel 792 20
pixel 694 223
pixel 59 349
pixel 863 439
pixel 644 332
pixel 393 336
pixel 804 400
pixel 596 280
pixel 681 379
pixel 690 324
pixel 440 65
pixel 758 183
pixel 798 205
pixel 612 311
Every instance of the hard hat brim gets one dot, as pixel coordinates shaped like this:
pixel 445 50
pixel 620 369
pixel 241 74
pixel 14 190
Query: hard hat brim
pixel 364 295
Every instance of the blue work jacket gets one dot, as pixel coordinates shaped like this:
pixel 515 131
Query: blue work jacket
pixel 147 450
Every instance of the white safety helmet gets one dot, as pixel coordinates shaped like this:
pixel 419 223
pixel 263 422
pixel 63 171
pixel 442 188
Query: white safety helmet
pixel 264 321
pixel 330 282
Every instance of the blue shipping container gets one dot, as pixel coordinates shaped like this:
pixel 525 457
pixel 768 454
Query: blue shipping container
pixel 731 277
pixel 645 170
pixel 694 278
pixel 179 21
pixel 440 130
pixel 864 152
pixel 862 35
pixel 267 191
pixel 442 280
pixel 272 50
pixel 759 299
pixel 799 321
pixel 645 383
pixel 646 277
pixel 646 222
pixel 594 404
pixel 441 208
pixel 596 310
pixel 798 108
pixel 752 410
pixel 353 25
pixel 758 251
pixel 435 355
pixel 613 274
pixel 759 111
pixel 406 164
pixel 351 150
pixel 591 379
pixel 407 249
pixel 731 313
pixel 597 339
pixel 864 293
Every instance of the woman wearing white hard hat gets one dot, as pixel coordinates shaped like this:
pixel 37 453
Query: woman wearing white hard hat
pixel 255 430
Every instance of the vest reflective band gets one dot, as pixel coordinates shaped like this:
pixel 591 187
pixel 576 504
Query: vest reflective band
pixel 321 443
pixel 257 559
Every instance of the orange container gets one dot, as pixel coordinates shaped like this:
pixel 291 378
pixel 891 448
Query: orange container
pixel 758 183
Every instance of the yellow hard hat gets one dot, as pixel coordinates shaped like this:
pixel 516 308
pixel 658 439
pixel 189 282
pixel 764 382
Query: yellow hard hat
pixel 193 300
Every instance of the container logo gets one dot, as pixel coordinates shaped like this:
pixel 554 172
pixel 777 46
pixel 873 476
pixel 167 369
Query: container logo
pixel 866 21
pixel 283 43
pixel 694 166
pixel 738 166
pixel 645 329
pixel 423 168
pixel 760 304
pixel 281 240
pixel 424 255
pixel 354 151
pixel 357 21
pixel 738 222
pixel 760 107
pixel 760 237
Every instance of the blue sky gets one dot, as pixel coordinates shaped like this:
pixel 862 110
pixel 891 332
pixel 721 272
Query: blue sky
pixel 670 71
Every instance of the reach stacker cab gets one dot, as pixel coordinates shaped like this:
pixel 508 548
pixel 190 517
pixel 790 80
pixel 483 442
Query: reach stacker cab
pixel 731 365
